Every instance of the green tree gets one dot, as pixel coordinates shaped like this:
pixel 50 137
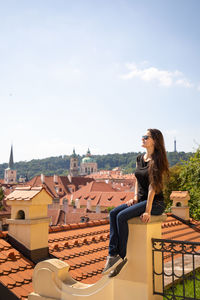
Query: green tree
pixel 190 181
pixel 171 184
pixel 110 208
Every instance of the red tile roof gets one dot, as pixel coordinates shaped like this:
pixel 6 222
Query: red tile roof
pixel 24 193
pixel 15 270
pixel 101 194
pixel 59 186
pixel 56 189
pixel 76 181
pixel 96 187
pixel 111 175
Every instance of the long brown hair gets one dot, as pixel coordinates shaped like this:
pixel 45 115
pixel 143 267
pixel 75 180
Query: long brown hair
pixel 158 166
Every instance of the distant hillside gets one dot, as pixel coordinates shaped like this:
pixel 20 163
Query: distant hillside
pixel 60 164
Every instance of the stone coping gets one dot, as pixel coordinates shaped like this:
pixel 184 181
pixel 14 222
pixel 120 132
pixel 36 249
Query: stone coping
pixel 154 219
pixel 29 221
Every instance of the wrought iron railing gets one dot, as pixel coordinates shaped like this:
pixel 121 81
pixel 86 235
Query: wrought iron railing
pixel 176 262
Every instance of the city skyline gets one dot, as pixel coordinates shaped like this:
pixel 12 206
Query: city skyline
pixel 98 74
pixel 84 154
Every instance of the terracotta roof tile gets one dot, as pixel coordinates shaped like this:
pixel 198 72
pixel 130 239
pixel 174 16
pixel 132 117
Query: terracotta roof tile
pixel 15 270
pixel 20 292
pixel 179 194
pixel 25 193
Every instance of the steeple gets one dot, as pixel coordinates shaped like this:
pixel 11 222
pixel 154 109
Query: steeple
pixel 10 175
pixel 74 153
pixel 11 161
pixel 74 169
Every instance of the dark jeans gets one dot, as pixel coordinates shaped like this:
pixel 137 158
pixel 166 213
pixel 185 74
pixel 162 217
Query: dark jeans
pixel 119 217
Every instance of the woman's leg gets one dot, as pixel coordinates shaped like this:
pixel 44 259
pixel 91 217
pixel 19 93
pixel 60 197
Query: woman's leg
pixel 114 240
pixel 119 226
pixel 122 224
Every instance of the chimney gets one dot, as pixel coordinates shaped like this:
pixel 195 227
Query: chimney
pixel 55 178
pixel 29 224
pixel 180 206
pixel 69 178
pixel 42 178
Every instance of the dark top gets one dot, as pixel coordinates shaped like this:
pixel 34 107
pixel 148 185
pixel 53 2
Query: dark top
pixel 142 175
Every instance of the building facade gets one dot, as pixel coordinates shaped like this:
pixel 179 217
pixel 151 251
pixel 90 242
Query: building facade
pixel 88 164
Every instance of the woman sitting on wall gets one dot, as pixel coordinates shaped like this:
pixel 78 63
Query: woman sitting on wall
pixel 148 199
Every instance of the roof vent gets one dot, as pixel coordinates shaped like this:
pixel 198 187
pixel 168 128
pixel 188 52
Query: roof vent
pixel 180 206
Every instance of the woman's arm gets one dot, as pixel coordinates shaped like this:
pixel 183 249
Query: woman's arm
pixel 145 217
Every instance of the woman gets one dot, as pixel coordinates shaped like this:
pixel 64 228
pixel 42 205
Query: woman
pixel 148 199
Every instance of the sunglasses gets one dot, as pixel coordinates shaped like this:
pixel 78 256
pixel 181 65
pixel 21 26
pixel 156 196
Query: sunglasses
pixel 145 137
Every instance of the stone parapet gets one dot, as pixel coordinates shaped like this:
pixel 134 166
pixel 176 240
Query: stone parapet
pixel 51 278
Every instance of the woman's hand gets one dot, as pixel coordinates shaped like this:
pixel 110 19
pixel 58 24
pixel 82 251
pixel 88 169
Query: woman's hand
pixel 145 217
pixel 131 202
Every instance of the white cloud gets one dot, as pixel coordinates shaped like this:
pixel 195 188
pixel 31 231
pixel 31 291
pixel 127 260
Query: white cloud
pixel 198 87
pixel 162 77
pixel 184 82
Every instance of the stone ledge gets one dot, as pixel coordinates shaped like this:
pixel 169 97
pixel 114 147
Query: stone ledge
pixel 29 221
pixel 154 219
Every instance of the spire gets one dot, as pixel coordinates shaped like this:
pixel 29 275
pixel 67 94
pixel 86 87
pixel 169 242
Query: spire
pixel 11 162
pixel 74 153
pixel 88 152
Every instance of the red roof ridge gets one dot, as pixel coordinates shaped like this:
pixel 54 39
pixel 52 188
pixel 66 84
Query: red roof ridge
pixel 72 226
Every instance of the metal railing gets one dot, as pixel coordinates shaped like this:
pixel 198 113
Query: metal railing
pixel 176 262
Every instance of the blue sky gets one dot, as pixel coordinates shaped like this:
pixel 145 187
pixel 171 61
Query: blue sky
pixel 97 74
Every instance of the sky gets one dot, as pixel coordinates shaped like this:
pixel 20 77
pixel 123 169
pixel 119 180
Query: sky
pixel 97 74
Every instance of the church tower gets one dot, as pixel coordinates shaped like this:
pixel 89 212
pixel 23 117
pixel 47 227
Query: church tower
pixel 10 175
pixel 74 165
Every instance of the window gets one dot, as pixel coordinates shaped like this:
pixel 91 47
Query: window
pixel 20 215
